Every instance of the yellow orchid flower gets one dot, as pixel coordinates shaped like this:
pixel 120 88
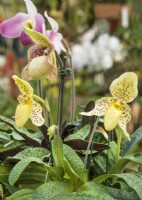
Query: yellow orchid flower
pixel 42 59
pixel 27 108
pixel 115 109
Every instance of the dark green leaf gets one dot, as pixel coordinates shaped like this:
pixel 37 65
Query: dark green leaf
pixel 120 165
pixel 135 138
pixel 4 137
pixel 134 181
pixel 80 134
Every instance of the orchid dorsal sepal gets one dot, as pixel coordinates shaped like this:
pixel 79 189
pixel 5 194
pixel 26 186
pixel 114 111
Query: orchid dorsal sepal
pixel 38 37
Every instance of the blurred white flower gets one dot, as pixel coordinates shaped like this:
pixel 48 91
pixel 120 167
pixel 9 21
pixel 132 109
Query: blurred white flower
pixel 102 53
pixel 79 56
pixel 114 43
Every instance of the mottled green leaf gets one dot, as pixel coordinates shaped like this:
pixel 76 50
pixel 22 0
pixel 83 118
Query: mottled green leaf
pixel 4 137
pixel 36 152
pixel 20 167
pixel 75 162
pixel 121 194
pixel 57 151
pixel 80 134
pixel 23 194
pixel 134 181
pixel 50 191
pixel 135 138
pixel 120 165
pixel 26 135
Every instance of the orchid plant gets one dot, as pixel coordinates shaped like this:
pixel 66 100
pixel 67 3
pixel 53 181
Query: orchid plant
pixel 53 153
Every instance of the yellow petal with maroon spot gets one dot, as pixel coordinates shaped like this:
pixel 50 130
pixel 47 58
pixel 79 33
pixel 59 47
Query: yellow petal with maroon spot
pixel 36 114
pixel 101 107
pixel 124 119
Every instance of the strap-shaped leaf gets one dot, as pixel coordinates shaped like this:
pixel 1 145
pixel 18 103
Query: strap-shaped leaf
pixel 21 131
pixel 74 162
pixel 57 151
pixel 80 134
pixel 38 37
pixel 120 165
pixel 50 191
pixel 21 194
pixel 135 138
pixel 20 167
pixel 37 152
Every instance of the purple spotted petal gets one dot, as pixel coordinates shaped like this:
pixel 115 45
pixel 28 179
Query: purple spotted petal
pixel 39 20
pixel 25 39
pixel 13 27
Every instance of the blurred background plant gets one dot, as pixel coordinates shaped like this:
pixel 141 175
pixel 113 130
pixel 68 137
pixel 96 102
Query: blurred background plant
pixel 105 41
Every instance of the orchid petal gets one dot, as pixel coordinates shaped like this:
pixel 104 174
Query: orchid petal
pixel 13 27
pixel 57 43
pixel 30 7
pixel 112 116
pixel 22 114
pixel 124 119
pixel 101 107
pixel 36 115
pixel 39 21
pixel 124 88
pixel 52 22
pixel 24 86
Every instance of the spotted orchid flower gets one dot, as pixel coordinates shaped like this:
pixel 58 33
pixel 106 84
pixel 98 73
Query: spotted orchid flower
pixel 53 34
pixel 13 27
pixel 28 107
pixel 41 57
pixel 115 109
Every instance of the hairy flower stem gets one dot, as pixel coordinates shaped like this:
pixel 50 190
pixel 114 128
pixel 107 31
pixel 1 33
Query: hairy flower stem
pixel 61 103
pixel 48 115
pixel 40 93
pixel 62 67
pixel 119 138
pixel 72 93
pixel 72 113
pixel 90 142
pixel 107 160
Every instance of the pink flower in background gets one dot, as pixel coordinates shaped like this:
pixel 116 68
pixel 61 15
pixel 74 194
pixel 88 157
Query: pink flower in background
pixel 53 34
pixel 13 27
